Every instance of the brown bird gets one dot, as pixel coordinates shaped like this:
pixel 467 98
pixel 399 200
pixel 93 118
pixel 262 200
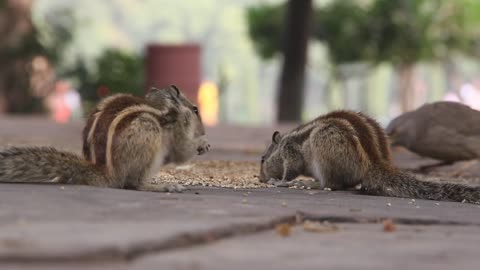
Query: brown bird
pixel 447 131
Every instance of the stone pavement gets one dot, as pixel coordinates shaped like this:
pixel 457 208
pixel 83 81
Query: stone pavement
pixel 74 227
pixel 79 227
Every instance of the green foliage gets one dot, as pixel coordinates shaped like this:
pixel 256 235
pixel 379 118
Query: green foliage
pixel 471 10
pixel 398 32
pixel 414 30
pixel 115 71
pixel 56 33
pixel 120 71
pixel 265 25
pixel 343 26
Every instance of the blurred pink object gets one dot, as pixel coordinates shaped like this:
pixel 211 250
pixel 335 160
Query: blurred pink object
pixel 468 95
pixel 63 102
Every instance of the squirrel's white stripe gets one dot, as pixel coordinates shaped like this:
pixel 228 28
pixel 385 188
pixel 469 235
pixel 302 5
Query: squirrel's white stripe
pixel 100 106
pixel 90 137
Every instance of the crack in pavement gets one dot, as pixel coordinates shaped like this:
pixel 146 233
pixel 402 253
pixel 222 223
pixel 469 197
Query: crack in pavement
pixel 374 220
pixel 137 250
pixel 192 239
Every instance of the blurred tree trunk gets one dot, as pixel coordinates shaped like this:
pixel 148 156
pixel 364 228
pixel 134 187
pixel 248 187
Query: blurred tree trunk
pixel 15 29
pixel 453 80
pixel 295 43
pixel 405 87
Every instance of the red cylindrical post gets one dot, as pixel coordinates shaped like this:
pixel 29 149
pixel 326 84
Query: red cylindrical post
pixel 174 64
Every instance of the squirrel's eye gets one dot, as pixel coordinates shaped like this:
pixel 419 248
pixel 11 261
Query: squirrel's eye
pixel 263 160
pixel 195 110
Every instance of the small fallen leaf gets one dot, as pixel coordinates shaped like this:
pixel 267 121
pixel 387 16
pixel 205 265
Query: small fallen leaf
pixel 283 229
pixel 388 225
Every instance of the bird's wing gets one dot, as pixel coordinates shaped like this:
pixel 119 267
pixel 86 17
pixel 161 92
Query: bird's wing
pixel 452 115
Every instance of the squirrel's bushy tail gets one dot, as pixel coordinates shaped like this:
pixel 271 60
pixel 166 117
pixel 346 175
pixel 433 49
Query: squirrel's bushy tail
pixel 397 183
pixel 47 164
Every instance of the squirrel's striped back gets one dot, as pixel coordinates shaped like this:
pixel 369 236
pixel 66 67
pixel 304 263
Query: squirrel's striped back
pixel 109 117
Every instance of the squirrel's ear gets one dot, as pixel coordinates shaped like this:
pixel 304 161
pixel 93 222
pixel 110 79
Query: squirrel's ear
pixel 276 137
pixel 172 93
pixel 175 89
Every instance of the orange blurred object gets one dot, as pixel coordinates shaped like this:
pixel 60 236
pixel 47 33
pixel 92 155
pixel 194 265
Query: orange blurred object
pixel 208 103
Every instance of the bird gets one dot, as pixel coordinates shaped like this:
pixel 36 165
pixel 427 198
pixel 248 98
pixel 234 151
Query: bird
pixel 443 130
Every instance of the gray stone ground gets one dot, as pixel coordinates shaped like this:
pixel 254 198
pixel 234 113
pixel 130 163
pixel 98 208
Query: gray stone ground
pixel 79 227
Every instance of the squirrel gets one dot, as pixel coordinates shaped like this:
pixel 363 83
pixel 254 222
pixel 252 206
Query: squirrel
pixel 125 141
pixel 343 149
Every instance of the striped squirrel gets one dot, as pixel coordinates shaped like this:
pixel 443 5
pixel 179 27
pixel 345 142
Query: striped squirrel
pixel 126 140
pixel 343 149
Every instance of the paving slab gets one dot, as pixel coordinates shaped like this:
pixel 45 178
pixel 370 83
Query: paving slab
pixel 45 224
pixel 351 247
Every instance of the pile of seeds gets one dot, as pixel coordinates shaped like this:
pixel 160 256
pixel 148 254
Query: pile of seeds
pixel 227 174
pixel 244 174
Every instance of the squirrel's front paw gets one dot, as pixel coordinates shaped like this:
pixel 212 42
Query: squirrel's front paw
pixel 203 147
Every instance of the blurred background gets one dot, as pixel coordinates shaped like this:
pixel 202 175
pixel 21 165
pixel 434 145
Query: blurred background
pixel 245 62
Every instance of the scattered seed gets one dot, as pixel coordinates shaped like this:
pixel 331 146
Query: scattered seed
pixel 313 226
pixel 327 189
pixel 284 204
pixel 225 174
pixel 389 204
pixel 244 201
